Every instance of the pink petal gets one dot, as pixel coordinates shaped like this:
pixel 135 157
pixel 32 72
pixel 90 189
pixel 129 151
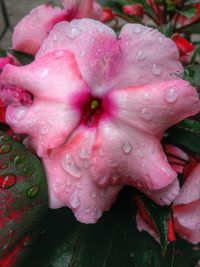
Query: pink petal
pixel 33 28
pixel 131 156
pixel 164 196
pixel 142 225
pixel 190 190
pixel 187 221
pixel 82 8
pixel 53 91
pixel 154 108
pixel 71 182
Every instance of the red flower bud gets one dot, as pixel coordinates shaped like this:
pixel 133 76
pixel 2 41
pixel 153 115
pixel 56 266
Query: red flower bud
pixel 134 10
pixel 108 15
pixel 183 45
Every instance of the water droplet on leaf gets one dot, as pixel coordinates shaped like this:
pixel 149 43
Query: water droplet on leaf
pixel 33 191
pixel 7 181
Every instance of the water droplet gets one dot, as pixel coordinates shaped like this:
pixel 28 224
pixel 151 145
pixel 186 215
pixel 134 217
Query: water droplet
pixel 101 30
pixel 73 32
pixel 114 175
pixel 70 166
pixel 111 163
pixel 127 147
pixel 33 191
pixel 97 213
pixel 79 185
pixel 74 200
pixel 44 73
pixel 87 210
pixel 20 113
pixel 82 53
pixel 68 181
pixel 171 95
pixel 84 154
pixel 7 181
pixel 140 55
pixel 5 148
pixel 160 40
pixel 140 154
pixel 156 70
pixel 59 54
pixel 101 152
pixel 137 28
pixel 19 159
pixel 103 193
pixel 44 130
pixel 146 114
pixel 55 37
pixel 93 194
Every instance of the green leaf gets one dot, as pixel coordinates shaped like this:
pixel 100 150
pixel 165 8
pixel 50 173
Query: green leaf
pixel 113 242
pixel 23 192
pixel 190 125
pixel 187 140
pixel 2 53
pixel 189 12
pixel 160 217
pixel 191 74
pixel 23 58
pixel 166 29
pixel 193 28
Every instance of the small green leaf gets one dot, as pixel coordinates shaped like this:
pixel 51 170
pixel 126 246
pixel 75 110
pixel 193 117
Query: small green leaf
pixel 191 74
pixel 189 12
pixel 23 58
pixel 166 29
pixel 160 217
pixel 2 53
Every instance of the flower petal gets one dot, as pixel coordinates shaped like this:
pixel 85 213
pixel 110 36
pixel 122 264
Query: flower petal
pixel 97 56
pixel 70 179
pixel 190 190
pixel 33 28
pixel 154 108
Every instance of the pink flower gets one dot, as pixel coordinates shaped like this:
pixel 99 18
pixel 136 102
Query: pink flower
pixel 30 32
pixel 100 105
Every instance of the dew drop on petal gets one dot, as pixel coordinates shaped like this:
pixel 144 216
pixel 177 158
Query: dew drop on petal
pixel 44 73
pixel 59 54
pixel 84 154
pixel 156 70
pixel 44 130
pixel 87 210
pixel 111 163
pixel 20 113
pixel 74 200
pixel 70 166
pixel 7 181
pixel 55 38
pixel 140 154
pixel 97 213
pixel 146 114
pixel 137 28
pixel 82 53
pixel 102 152
pixel 73 32
pixel 127 147
pixel 171 95
pixel 140 55
pixel 93 194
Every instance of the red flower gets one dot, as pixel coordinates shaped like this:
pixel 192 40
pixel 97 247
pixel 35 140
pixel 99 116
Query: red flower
pixel 134 10
pixel 108 15
pixel 183 45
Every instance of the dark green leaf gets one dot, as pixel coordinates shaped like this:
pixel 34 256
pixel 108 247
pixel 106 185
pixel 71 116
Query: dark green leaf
pixel 192 74
pixel 187 258
pixel 113 242
pixel 194 28
pixel 166 29
pixel 189 12
pixel 185 139
pixel 23 58
pixel 190 125
pixel 160 217
pixel 2 52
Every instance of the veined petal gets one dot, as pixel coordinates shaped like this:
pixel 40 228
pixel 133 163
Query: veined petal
pixel 30 32
pixel 71 182
pixel 154 108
